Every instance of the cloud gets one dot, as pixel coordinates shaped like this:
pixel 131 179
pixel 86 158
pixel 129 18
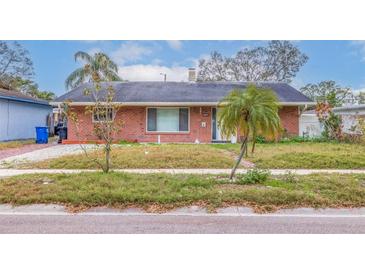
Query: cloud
pixel 357 91
pixel 156 61
pixel 129 52
pixel 360 48
pixel 195 61
pixel 174 44
pixel 142 72
pixel 297 83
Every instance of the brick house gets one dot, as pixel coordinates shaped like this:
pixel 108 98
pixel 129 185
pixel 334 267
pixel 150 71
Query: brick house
pixel 173 111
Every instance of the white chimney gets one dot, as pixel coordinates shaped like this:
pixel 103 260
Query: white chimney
pixel 192 75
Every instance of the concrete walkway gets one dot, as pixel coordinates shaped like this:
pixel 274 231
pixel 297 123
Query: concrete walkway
pixel 14 172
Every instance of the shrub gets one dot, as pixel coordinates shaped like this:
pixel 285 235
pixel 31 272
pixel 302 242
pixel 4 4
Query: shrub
pixel 127 142
pixel 332 127
pixel 294 139
pixel 253 176
pixel 261 140
pixel 290 177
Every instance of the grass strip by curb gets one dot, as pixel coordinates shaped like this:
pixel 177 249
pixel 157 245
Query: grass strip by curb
pixel 159 192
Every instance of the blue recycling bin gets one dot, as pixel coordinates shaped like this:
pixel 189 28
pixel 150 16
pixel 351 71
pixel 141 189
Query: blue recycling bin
pixel 42 135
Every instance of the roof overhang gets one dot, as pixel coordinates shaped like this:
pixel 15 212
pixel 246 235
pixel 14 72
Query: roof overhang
pixel 24 100
pixel 169 104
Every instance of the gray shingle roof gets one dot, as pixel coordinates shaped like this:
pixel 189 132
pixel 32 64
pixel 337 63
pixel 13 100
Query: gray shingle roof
pixel 184 92
pixel 20 97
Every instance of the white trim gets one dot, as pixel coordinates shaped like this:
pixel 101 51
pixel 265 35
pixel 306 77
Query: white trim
pixel 173 104
pixel 211 123
pixel 94 121
pixel 167 132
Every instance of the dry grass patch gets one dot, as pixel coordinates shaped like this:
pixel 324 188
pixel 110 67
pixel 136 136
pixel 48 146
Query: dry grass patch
pixel 15 144
pixel 148 156
pixel 305 155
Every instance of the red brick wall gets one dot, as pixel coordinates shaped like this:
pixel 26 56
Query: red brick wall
pixel 290 119
pixel 134 126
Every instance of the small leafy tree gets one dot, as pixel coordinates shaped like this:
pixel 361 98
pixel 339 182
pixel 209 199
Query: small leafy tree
pixel 31 88
pixel 105 126
pixel 249 113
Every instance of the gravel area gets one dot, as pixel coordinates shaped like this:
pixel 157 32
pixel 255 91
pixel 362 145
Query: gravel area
pixel 44 154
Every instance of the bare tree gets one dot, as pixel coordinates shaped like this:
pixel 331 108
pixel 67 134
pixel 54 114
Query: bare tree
pixel 14 63
pixel 283 62
pixel 278 61
pixel 248 65
pixel 216 68
pixel 361 97
pixel 327 92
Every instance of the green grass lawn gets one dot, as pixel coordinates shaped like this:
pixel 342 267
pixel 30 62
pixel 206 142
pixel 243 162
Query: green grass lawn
pixel 159 192
pixel 15 144
pixel 305 155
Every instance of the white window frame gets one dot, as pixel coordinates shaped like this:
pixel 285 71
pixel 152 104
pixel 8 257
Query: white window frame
pixel 167 132
pixel 96 121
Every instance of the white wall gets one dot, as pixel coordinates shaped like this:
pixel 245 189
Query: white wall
pixel 310 125
pixel 350 118
pixel 19 119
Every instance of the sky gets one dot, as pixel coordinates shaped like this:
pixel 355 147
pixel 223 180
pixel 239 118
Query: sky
pixel 341 61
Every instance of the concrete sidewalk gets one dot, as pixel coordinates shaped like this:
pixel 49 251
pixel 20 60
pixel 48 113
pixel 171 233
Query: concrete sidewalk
pixel 14 172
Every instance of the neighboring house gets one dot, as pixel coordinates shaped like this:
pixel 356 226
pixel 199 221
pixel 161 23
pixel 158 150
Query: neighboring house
pixel 173 111
pixel 309 125
pixel 20 114
pixel 350 116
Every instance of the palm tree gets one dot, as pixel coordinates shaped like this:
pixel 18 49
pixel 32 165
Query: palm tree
pixel 98 67
pixel 249 113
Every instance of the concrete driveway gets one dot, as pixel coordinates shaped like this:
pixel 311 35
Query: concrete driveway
pixel 43 152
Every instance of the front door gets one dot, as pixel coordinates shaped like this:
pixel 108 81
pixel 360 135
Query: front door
pixel 216 134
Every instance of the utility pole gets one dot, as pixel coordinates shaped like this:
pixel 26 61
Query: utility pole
pixel 164 76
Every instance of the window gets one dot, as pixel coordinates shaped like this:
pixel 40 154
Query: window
pixel 103 115
pixel 168 119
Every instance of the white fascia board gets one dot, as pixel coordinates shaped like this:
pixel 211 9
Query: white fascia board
pixel 173 103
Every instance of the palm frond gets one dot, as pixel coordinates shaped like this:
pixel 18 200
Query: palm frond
pixel 106 62
pixel 98 67
pixel 111 76
pixel 77 77
pixel 83 56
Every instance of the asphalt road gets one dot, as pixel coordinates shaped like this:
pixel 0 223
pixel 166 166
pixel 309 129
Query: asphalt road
pixel 178 224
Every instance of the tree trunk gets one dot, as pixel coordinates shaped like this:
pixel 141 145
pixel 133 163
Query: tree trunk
pixel 243 150
pixel 107 158
pixel 253 147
